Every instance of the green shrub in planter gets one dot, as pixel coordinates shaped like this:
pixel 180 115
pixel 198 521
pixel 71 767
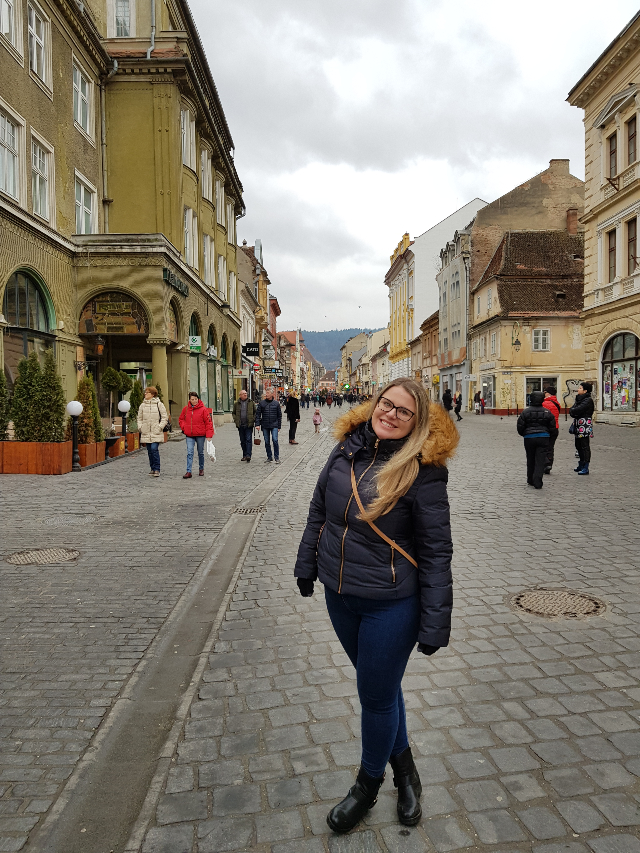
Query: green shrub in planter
pixel 86 428
pixel 136 398
pixel 126 382
pixel 98 430
pixel 50 402
pixel 4 406
pixel 24 410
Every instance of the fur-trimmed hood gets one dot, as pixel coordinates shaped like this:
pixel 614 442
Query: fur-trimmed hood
pixel 441 442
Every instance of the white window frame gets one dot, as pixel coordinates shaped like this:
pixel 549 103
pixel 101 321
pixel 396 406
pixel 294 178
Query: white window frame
pixel 474 348
pixel 206 180
pixel 44 80
pixel 89 131
pixel 187 234
pixel 112 31
pixel 220 210
pixel 489 300
pixel 13 39
pixel 20 153
pixel 222 277
pixel 231 222
pixel 93 192
pixel 478 307
pixel 493 343
pixel 206 270
pixel 538 338
pixel 48 149
pixel 195 243
pixel 188 134
pixel 233 286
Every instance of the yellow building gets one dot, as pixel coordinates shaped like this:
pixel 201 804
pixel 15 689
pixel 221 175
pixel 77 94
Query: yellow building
pixel 609 95
pixel 400 281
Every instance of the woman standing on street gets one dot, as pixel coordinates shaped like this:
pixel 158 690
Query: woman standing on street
pixel 196 422
pixel 152 419
pixel 378 538
pixel 582 413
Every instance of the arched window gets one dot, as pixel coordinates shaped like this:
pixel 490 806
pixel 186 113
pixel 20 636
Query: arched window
pixel 211 340
pixel 223 349
pixel 234 360
pixel 194 326
pixel 621 374
pixel 26 308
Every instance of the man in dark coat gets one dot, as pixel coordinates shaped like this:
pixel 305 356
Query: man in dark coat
pixel 244 417
pixel 536 425
pixel 269 418
pixel 582 413
pixel 447 400
pixel 292 408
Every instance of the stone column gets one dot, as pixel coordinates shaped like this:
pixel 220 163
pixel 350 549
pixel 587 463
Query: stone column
pixel 159 366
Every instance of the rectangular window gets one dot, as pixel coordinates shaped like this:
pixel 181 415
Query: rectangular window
pixel 220 201
pixel 541 340
pixel 631 141
pixel 205 175
pixel 9 161
pixel 40 180
pixel 123 18
pixel 37 42
pixel 205 258
pixel 194 240
pixel 231 222
pixel 188 135
pixel 232 291
pixel 611 237
pixel 613 155
pixel 81 99
pixel 85 208
pixel 187 235
pixel 493 343
pixel 632 243
pixel 222 277
pixel 478 307
pixel 8 20
pixel 489 299
pixel 474 348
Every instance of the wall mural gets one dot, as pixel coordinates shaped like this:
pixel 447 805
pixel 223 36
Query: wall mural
pixel 113 314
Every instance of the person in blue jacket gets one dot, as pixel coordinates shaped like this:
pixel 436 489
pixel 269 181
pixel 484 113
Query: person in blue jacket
pixel 269 418
pixel 386 570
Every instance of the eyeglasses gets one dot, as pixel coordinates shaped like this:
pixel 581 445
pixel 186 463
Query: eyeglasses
pixel 401 413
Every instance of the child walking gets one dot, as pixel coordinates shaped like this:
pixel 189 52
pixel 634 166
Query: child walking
pixel 317 418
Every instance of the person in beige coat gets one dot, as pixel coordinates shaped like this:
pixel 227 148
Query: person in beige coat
pixel 152 419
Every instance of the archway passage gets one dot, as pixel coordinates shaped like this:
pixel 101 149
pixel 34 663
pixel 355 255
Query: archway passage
pixel 27 308
pixel 621 374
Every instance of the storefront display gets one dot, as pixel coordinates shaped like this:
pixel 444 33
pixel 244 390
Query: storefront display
pixel 489 391
pixel 621 374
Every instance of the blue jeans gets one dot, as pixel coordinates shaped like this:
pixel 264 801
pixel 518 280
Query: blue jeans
pixel 246 440
pixel 378 637
pixel 191 445
pixel 268 435
pixel 154 456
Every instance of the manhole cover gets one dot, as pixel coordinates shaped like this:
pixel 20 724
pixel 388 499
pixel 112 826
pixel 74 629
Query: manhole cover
pixel 61 520
pixel 249 510
pixel 557 602
pixel 43 557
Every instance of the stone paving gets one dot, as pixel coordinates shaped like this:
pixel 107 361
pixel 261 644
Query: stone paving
pixel 72 634
pixel 526 730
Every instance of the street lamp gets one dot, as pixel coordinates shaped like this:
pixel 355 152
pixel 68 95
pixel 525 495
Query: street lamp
pixel 123 408
pixel 515 340
pixel 74 408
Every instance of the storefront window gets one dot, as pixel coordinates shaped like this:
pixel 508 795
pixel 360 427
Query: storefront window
pixel 25 309
pixel 489 391
pixel 621 374
pixel 538 383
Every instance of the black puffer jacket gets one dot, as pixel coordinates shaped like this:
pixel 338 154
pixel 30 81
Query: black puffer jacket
pixel 583 406
pixel 346 555
pixel 535 420
pixel 269 414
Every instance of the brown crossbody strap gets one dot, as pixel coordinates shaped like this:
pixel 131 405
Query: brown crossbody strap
pixel 375 529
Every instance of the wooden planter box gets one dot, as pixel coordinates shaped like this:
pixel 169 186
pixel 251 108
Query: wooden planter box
pixel 87 454
pixel 35 457
pixel 133 441
pixel 100 450
pixel 117 449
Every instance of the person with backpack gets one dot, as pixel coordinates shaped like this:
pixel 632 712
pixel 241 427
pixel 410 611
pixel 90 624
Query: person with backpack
pixel 196 422
pixel 152 419
pixel 536 425
pixel 551 402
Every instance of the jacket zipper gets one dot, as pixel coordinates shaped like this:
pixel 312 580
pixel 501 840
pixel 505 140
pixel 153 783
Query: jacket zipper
pixel 319 537
pixel 346 512
pixel 393 569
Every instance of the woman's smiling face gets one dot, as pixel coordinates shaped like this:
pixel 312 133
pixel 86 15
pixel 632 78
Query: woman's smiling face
pixel 387 425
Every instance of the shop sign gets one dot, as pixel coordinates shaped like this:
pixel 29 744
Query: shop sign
pixel 195 343
pixel 436 378
pixel 175 282
pixel 113 314
pixel 251 349
pixel 269 352
pixel 241 373
pixel 470 377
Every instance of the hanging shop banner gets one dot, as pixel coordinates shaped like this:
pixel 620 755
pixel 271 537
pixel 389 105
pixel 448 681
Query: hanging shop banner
pixel 251 349
pixel 241 373
pixel 113 314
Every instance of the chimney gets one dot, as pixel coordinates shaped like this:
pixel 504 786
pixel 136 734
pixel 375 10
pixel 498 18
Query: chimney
pixel 572 220
pixel 560 167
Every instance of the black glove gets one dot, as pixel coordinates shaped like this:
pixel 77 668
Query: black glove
pixel 306 587
pixel 424 648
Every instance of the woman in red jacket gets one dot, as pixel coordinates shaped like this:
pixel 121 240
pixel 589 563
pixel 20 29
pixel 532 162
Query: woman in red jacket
pixel 196 422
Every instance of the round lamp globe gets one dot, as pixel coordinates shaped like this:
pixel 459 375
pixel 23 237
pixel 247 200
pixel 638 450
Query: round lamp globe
pixel 74 408
pixel 124 406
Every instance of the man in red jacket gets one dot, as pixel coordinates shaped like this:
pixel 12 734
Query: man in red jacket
pixel 551 402
pixel 196 422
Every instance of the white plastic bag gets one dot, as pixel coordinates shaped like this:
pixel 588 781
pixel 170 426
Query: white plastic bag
pixel 211 450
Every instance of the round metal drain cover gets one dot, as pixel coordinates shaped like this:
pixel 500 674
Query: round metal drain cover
pixel 563 603
pixel 61 520
pixel 43 557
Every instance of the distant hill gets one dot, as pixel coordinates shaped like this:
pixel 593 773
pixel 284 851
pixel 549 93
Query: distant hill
pixel 325 346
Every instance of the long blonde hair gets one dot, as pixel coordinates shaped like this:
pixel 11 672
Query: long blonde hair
pixel 396 476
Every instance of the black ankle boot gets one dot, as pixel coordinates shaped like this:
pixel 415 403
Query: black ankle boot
pixel 407 781
pixel 356 804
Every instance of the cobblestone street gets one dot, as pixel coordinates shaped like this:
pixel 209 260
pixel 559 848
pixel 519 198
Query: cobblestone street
pixel 526 730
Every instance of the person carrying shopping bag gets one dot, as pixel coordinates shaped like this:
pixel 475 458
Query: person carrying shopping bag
pixel 152 419
pixel 196 422
pixel 378 538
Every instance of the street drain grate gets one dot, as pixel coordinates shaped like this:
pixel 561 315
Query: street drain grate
pixel 42 557
pixel 62 520
pixel 249 510
pixel 557 603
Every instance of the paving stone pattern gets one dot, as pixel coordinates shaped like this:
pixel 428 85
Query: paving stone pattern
pixel 526 731
pixel 71 634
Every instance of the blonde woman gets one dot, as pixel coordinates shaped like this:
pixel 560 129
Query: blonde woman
pixel 152 419
pixel 378 537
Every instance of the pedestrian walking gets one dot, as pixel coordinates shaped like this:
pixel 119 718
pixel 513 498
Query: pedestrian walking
pixel 196 422
pixel 317 419
pixel 152 419
pixel 536 425
pixel 329 400
pixel 458 406
pixel 386 571
pixel 476 402
pixel 269 419
pixel 482 405
pixel 551 402
pixel 447 400
pixel 292 408
pixel 582 414
pixel 244 417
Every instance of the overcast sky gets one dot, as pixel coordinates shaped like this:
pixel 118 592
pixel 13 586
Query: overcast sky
pixel 357 120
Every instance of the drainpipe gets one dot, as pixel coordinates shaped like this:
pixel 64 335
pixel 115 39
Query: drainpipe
pixel 153 29
pixel 106 201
